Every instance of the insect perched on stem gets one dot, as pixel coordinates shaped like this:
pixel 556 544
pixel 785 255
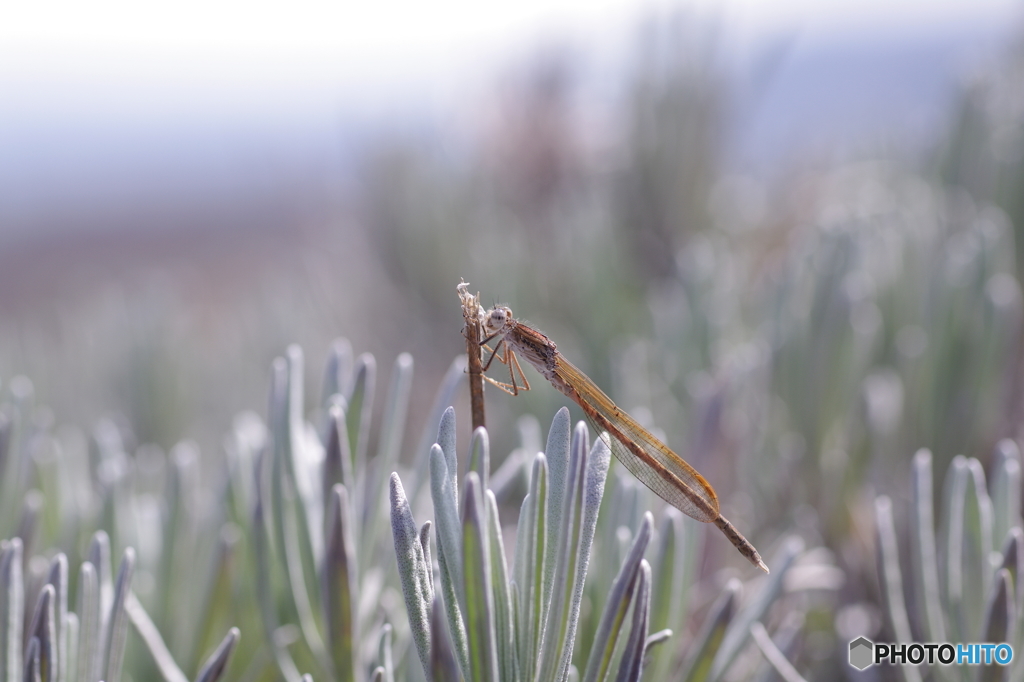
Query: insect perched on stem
pixel 646 457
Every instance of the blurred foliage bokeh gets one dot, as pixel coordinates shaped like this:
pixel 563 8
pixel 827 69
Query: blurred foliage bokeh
pixel 797 341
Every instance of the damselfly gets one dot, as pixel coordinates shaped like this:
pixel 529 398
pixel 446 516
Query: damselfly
pixel 646 457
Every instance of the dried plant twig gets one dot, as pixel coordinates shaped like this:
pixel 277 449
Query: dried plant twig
pixel 473 314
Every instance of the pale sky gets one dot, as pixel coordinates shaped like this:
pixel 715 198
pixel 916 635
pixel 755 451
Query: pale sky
pixel 133 59
pixel 118 38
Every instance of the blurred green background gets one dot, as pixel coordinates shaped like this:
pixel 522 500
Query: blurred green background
pixel 797 324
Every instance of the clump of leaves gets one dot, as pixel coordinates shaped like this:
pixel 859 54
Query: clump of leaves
pixel 474 616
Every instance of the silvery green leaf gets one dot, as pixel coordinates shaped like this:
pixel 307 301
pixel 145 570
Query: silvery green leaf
pixel 999 623
pixel 559 623
pixel 99 557
pixel 43 629
pixel 31 508
pixel 480 456
pixel 359 398
pixel 558 466
pixel 1013 561
pixel 33 664
pixel 969 572
pixel 442 658
pixel 771 652
pixel 531 536
pixel 924 556
pixel 446 441
pixel 771 587
pixel 338 371
pixel 620 598
pixel 90 641
pixel 413 570
pixel 517 666
pixel 263 578
pixel 978 527
pixel 954 493
pixel 785 640
pixel 291 504
pixel 150 635
pixel 392 427
pixel 1006 490
pixel 396 405
pixel 337 455
pixel 117 626
pixel 215 666
pixel 384 653
pixel 12 609
pixel 631 664
pixel 219 604
pixel 666 588
pixel 340 588
pixel 449 543
pixel 674 569
pixel 502 595
pixel 179 528
pixel 889 570
pixel 427 561
pixel 479 595
pixel 71 665
pixel 697 666
pixel 596 474
pixel 59 580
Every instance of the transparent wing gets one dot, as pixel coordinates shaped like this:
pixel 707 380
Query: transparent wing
pixel 646 457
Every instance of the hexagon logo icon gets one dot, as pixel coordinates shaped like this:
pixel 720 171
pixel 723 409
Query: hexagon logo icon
pixel 861 653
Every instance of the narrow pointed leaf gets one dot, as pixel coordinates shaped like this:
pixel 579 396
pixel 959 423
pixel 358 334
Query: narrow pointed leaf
pixel 33 665
pixel 384 653
pixel 479 596
pixel 217 663
pixel 90 640
pixel 480 456
pixel 12 609
pixel 360 403
pixel 99 557
pixel 338 370
pixel 771 652
pixel 449 545
pixel 154 642
pixel 443 665
pixel 501 590
pixel 117 628
pixel 705 645
pixel 337 454
pixel 415 574
pixel 58 578
pixel 340 587
pixel 999 622
pixel 892 588
pixel 924 555
pixel 557 456
pixel 1006 490
pixel 620 598
pixel 632 662
pixel 392 428
pixel 530 554
pixel 44 631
